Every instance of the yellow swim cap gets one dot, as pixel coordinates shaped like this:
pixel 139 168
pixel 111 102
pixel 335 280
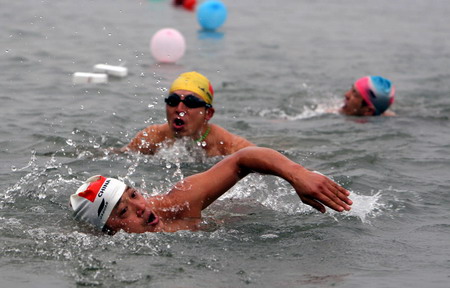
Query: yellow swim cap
pixel 194 82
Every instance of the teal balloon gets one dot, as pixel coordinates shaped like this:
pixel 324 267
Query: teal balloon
pixel 211 14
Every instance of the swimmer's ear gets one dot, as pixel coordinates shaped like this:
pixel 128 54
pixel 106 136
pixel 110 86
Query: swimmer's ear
pixel 209 113
pixel 368 111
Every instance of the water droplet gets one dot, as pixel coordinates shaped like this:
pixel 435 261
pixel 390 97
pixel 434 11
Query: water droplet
pixel 69 142
pixel 13 168
pixel 182 114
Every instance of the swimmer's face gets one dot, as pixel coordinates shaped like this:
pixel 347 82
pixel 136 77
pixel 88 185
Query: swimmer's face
pixel 132 214
pixel 355 105
pixel 185 121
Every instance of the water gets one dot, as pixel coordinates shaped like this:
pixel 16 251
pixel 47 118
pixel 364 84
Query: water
pixel 276 68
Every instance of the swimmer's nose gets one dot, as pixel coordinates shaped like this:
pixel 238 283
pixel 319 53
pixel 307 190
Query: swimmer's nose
pixel 181 111
pixel 140 208
pixel 347 94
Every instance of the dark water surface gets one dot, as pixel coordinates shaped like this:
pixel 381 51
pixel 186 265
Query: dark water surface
pixel 276 67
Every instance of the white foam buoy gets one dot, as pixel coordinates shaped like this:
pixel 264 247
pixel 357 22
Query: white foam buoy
pixel 84 77
pixel 117 71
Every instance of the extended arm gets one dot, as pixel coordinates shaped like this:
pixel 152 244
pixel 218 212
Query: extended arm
pixel 314 189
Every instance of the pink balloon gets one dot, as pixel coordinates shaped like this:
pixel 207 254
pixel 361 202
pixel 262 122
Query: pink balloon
pixel 167 45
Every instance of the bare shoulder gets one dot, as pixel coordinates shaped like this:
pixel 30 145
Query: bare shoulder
pixel 147 140
pixel 226 142
pixel 156 131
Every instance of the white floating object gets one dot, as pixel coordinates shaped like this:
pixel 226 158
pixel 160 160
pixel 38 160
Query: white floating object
pixel 118 71
pixel 83 77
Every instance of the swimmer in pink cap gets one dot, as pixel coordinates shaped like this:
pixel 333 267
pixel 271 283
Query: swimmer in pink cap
pixel 189 108
pixel 369 96
pixel 110 205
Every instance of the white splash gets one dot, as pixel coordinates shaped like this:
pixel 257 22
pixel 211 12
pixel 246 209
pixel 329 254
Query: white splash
pixel 277 194
pixel 364 207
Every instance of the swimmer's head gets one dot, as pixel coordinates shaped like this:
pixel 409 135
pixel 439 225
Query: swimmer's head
pixel 194 82
pixel 377 92
pixel 96 198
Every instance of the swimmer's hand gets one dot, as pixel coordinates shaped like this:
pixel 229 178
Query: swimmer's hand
pixel 313 188
pixel 317 190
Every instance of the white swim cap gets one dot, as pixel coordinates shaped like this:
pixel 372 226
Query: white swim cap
pixel 96 198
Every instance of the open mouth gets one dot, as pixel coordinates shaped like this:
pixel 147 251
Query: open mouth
pixel 178 123
pixel 152 219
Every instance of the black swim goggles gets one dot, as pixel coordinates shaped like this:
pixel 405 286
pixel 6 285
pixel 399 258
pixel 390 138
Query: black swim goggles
pixel 189 100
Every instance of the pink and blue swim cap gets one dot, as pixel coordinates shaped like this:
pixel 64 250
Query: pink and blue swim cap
pixel 378 92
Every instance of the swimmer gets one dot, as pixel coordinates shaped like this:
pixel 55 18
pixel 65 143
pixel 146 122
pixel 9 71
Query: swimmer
pixel 188 109
pixel 111 205
pixel 369 96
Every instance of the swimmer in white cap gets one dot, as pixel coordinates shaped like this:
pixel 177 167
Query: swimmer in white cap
pixel 110 205
pixel 189 108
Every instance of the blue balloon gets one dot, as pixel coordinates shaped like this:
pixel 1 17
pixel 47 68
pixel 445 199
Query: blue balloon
pixel 211 14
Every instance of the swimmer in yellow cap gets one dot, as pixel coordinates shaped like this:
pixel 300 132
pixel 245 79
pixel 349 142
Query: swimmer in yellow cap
pixel 111 205
pixel 189 107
